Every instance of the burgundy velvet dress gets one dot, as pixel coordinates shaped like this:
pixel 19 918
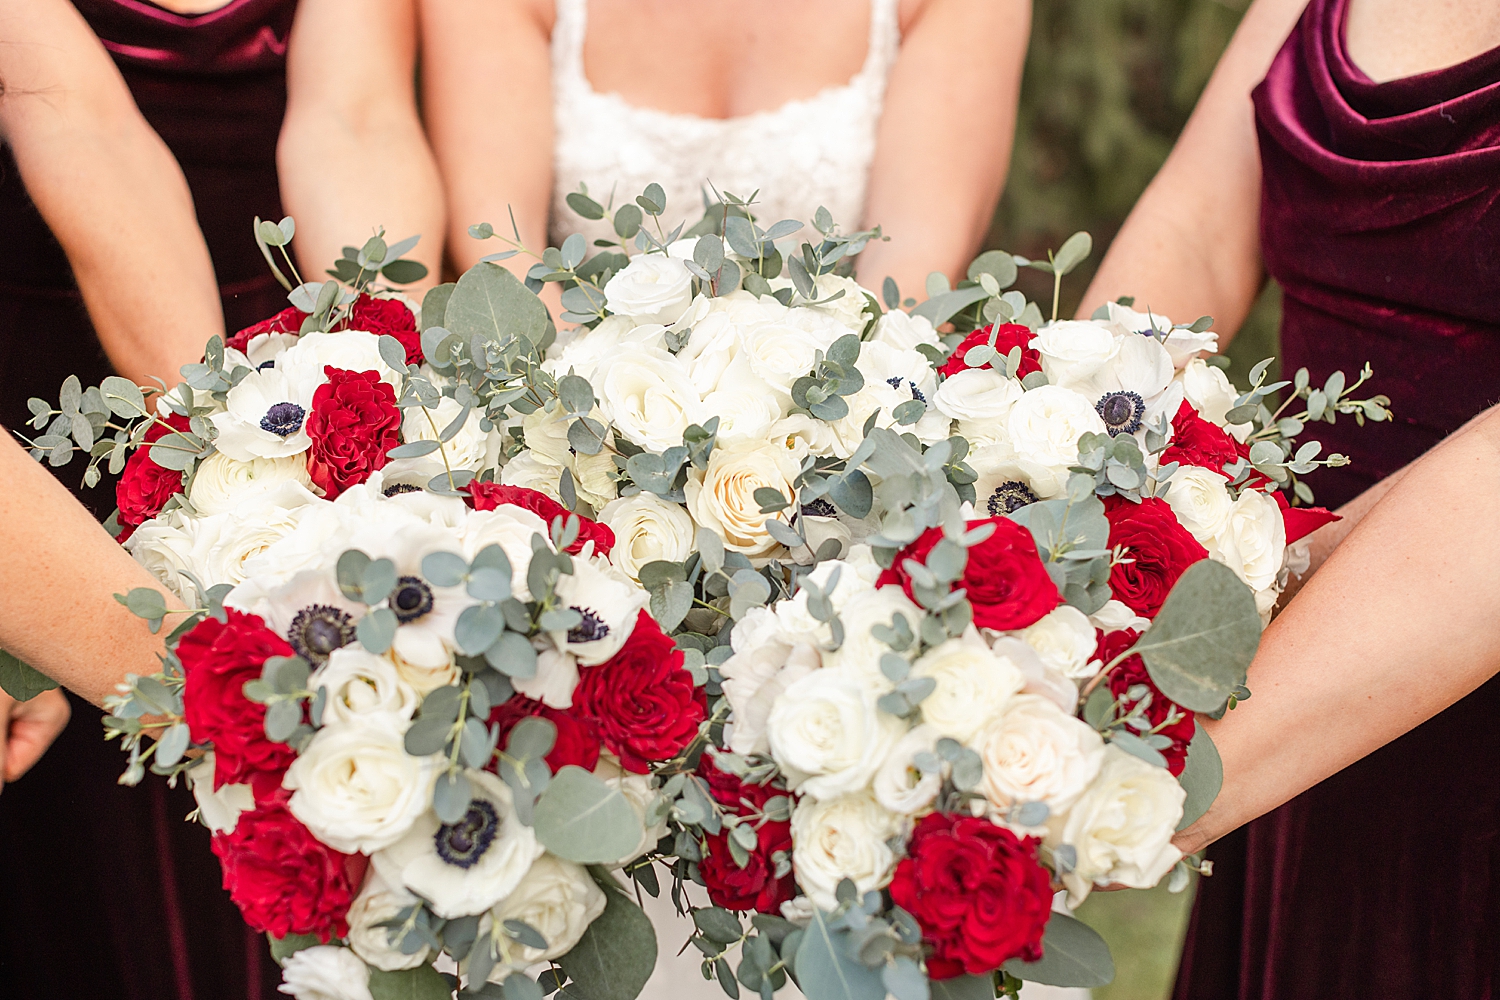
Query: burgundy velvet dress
pixel 106 891
pixel 1380 218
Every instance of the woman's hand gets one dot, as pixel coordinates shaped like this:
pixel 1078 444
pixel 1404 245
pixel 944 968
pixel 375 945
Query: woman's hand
pixel 27 729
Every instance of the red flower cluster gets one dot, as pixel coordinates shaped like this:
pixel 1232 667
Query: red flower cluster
pixel 145 487
pixel 282 878
pixel 217 659
pixel 289 320
pixel 642 699
pixel 387 317
pixel 354 422
pixel 1008 337
pixel 1196 441
pixel 755 886
pixel 578 740
pixel 1006 581
pixel 1159 547
pixel 978 893
pixel 1132 671
pixel 488 496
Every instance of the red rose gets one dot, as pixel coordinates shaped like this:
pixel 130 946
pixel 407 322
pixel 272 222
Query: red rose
pixel 1195 441
pixel 577 739
pixel 642 699
pixel 1302 521
pixel 282 878
pixel 145 487
pixel 217 659
pixel 289 320
pixel 1159 547
pixel 388 317
pixel 1007 338
pixel 488 496
pixel 978 893
pixel 1006 581
pixel 354 422
pixel 1132 671
pixel 755 886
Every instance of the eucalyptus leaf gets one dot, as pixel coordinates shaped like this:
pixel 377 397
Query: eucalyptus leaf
pixel 1203 639
pixel 422 983
pixel 826 971
pixel 1073 954
pixel 491 303
pixel 582 818
pixel 1201 778
pixel 617 952
pixel 20 681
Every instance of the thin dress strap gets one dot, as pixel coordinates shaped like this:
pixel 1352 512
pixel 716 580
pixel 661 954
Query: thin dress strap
pixel 885 41
pixel 569 28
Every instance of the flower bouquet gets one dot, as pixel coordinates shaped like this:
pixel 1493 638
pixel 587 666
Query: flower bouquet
pixel 755 580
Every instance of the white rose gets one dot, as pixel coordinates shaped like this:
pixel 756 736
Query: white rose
pixel 363 687
pixel 163 547
pixel 1208 389
pixel 1121 827
pixel 902 330
pixel 528 471
pixel 1036 752
pixel 511 528
pixel 652 288
pixel 647 529
pixel 357 789
pixel 352 350
pixel 1043 431
pixel 712 349
pixel 1115 616
pixel 981 394
pixel 325 972
pixel 609 602
pixel 828 735
pixel 860 652
pixel 765 663
pixel 1253 541
pixel 746 413
pixel 465 450
pixel 804 435
pixel 800 624
pixel 218 810
pixel 1073 351
pixel 1064 639
pixel 647 396
pixel 221 484
pixel 239 538
pixel 851 309
pixel 377 902
pixel 721 497
pixel 558 900
pixel 842 838
pixel 1200 499
pixel 783 350
pixel 900 785
pixel 424 678
pixel 973 685
pixel 545 432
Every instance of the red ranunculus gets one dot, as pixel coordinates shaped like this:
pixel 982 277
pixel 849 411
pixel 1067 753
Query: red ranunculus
pixel 289 320
pixel 354 422
pixel 978 893
pixel 642 699
pixel 1159 547
pixel 1008 337
pixel 577 739
pixel 390 317
pixel 145 487
pixel 1196 441
pixel 282 878
pixel 488 496
pixel 1302 521
pixel 1132 671
pixel 755 886
pixel 1006 581
pixel 217 659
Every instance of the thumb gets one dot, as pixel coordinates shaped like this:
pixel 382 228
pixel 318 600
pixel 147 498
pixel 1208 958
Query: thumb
pixel 7 706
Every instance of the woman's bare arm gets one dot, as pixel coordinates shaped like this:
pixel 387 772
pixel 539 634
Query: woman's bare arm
pixel 935 202
pixel 1191 245
pixel 1400 624
pixel 109 189
pixel 353 156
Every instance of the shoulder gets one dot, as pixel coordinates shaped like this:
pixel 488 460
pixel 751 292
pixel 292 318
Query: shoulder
pixel 959 15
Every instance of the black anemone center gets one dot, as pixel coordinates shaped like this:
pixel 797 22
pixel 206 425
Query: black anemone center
pixel 396 489
pixel 411 599
pixel 266 364
pixel 1010 497
pixel 464 843
pixel 590 629
pixel 1121 412
pixel 317 630
pixel 819 508
pixel 283 419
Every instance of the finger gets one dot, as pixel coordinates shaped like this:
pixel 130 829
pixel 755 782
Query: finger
pixel 6 706
pixel 29 739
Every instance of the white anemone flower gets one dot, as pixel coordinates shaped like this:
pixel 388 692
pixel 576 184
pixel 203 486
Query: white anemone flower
pixel 265 416
pixel 609 602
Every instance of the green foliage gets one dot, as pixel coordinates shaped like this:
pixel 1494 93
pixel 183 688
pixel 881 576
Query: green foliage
pixel 1073 954
pixel 586 820
pixel 617 954
pixel 20 681
pixel 422 983
pixel 1200 644
pixel 1201 778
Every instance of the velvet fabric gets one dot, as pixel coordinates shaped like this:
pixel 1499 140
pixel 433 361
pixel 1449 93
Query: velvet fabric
pixel 1379 219
pixel 108 892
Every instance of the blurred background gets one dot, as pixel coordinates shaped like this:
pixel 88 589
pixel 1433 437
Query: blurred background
pixel 1108 86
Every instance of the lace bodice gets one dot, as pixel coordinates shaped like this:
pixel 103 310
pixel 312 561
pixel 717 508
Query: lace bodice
pixel 806 153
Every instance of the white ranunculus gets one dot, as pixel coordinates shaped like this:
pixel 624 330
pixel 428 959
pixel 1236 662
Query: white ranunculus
pixel 1208 389
pixel 712 349
pixel 363 687
pixel 555 679
pixel 765 663
pixel 647 529
pixel 1121 827
pixel 1043 431
pixel 1200 499
pixel 1074 351
pixel 1036 752
pixel 528 471
pixel 647 396
pixel 357 789
pixel 239 538
pixel 218 810
pixel 1115 615
pixel 851 309
pixel 842 838
pixel 828 735
pixel 973 685
pixel 782 350
pixel 325 972
pixel 902 330
pixel 860 652
pixel 511 528
pixel 1253 542
pixel 352 350
pixel 804 435
pixel 641 791
pixel 609 602
pixel 746 413
pixel 466 867
pixel 980 394
pixel 652 288
pixel 221 484
pixel 900 785
pixel 163 547
pixel 379 901
pixel 558 900
pixel 1064 639
pixel 721 496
